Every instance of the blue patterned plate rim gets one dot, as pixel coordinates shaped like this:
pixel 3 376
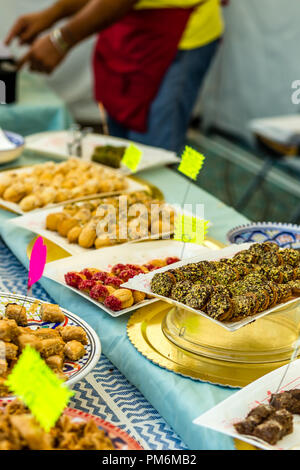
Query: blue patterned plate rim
pixel 14 138
pixel 231 234
pixel 89 361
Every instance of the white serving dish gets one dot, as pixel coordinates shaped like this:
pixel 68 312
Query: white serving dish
pixel 105 258
pixel 143 284
pixel 235 408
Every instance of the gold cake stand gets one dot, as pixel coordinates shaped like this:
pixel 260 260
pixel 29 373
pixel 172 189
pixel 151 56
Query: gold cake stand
pixel 255 349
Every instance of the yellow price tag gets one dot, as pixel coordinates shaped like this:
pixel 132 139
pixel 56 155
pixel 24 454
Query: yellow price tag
pixel 39 387
pixel 132 157
pixel 191 162
pixel 190 229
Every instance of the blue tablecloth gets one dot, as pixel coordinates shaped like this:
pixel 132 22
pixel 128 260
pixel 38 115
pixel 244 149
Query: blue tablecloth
pixel 104 392
pixel 178 400
pixel 37 109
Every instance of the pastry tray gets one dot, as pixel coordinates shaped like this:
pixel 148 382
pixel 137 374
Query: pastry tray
pixel 133 185
pixel 235 408
pixel 104 259
pixel 143 284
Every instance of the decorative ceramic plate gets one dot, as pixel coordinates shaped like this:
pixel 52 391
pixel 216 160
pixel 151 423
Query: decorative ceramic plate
pixel 74 371
pixel 120 439
pixel 285 235
pixel 14 153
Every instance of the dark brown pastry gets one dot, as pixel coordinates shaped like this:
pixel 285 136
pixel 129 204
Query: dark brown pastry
pixel 181 290
pixel 288 400
pixel 162 284
pixel 271 258
pixel 198 296
pixel 266 423
pixel 290 256
pixel 285 292
pixel 243 306
pixel 225 275
pixel 193 273
pixel 219 307
pixel 295 286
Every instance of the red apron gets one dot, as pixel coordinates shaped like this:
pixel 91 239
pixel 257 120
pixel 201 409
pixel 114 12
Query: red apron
pixel 131 58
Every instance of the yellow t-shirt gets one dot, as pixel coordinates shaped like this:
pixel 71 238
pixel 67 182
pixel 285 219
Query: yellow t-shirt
pixel 204 26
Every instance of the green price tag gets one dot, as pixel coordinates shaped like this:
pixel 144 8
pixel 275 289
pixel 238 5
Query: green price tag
pixel 189 229
pixel 191 162
pixel 40 389
pixel 132 157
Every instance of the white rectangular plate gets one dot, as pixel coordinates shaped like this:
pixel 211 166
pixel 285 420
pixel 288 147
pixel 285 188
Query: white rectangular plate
pixel 143 284
pixel 222 417
pixel 55 144
pixel 105 258
pixel 35 221
pixel 132 186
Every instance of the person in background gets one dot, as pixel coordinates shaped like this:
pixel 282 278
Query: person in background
pixel 149 62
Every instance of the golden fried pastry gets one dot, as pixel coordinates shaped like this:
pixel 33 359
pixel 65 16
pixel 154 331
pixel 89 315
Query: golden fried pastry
pixel 29 339
pixel 45 333
pixel 66 225
pixel 30 203
pixel 69 333
pixel 54 219
pixel 87 236
pixel 15 192
pixel 74 350
pixel 8 330
pixel 11 351
pixel 55 362
pixel 74 233
pixel 103 241
pixel 51 313
pixel 4 390
pixel 138 296
pixel 51 347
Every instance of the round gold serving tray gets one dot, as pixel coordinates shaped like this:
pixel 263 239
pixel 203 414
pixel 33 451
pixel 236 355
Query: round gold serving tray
pixel 144 330
pixel 54 251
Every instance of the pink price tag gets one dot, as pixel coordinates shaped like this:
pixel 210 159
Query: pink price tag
pixel 37 262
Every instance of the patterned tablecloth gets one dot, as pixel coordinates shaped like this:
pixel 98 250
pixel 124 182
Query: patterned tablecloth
pixel 105 392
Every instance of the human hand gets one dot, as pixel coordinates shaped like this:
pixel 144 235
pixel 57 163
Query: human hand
pixel 28 27
pixel 43 56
